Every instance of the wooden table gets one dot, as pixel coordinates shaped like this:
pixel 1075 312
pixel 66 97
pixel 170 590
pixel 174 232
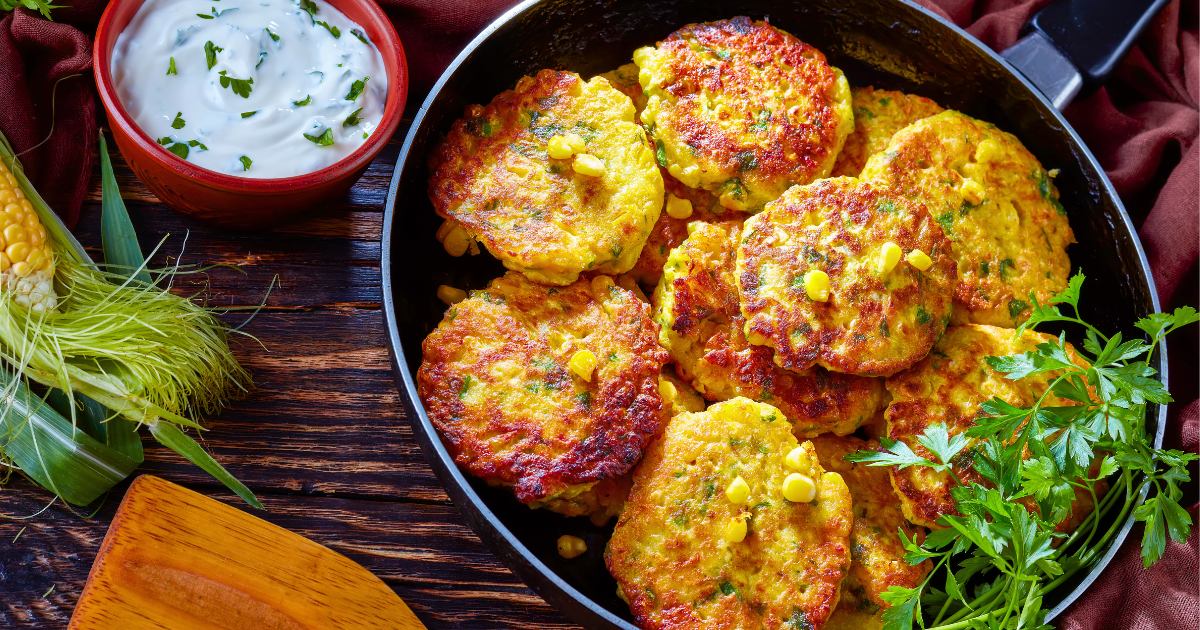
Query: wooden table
pixel 323 439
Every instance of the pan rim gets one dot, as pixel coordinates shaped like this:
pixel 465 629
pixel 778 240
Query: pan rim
pixel 518 557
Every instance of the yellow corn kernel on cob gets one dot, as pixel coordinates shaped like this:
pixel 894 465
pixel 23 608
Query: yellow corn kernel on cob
pixel 26 257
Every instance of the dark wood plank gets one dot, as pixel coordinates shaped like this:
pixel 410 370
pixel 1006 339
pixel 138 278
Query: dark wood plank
pixel 428 557
pixel 322 439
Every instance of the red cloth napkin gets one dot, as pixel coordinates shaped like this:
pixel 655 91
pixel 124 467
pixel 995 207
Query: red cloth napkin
pixel 1142 126
pixel 47 86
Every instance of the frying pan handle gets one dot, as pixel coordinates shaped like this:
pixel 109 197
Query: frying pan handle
pixel 1073 44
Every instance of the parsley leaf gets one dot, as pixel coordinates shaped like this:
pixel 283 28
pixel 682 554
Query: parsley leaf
pixel 171 69
pixel 241 87
pixel 178 122
pixel 323 139
pixel 356 88
pixel 210 53
pixel 246 162
pixel 353 118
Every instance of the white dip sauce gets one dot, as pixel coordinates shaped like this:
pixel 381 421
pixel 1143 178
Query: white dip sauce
pixel 253 88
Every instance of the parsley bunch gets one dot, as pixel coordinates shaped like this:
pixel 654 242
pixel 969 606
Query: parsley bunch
pixel 996 559
pixel 41 6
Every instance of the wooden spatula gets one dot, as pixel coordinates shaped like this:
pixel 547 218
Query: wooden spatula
pixel 177 559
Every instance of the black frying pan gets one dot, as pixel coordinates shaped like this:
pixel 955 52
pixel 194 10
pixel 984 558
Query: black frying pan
pixel 1071 45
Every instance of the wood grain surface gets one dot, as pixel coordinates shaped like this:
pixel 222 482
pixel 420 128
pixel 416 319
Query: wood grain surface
pixel 322 440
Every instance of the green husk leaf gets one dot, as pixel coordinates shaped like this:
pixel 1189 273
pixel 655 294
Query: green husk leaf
pixel 120 242
pixel 53 453
pixel 149 356
pixel 102 424
pixel 171 437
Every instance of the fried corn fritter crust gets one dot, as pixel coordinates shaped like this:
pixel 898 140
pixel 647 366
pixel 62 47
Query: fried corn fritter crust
pixel 678 396
pixel 493 178
pixel 743 109
pixel 878 114
pixel 669 231
pixel 625 79
pixel 873 323
pixel 696 305
pixel 947 388
pixel 876 554
pixel 669 553
pixel 995 202
pixel 497 384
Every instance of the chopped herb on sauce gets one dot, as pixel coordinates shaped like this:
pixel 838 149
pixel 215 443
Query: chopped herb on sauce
pixel 304 101
pixel 359 34
pixel 178 122
pixel 353 118
pixel 210 53
pixel 246 162
pixel 241 87
pixel 356 88
pixel 323 139
pixel 249 114
pixel 171 69
pixel 333 30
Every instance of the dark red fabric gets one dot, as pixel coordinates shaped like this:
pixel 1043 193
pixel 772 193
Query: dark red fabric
pixel 48 105
pixel 1142 126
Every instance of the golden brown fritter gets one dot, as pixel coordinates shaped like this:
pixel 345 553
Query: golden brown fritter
pixel 670 552
pixel 743 109
pixel 669 231
pixel 696 305
pixel 994 201
pixel 873 323
pixel 947 388
pixel 493 178
pixel 876 554
pixel 878 115
pixel 498 384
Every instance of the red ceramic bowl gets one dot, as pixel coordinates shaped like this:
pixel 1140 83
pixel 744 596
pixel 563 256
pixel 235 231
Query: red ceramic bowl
pixel 242 202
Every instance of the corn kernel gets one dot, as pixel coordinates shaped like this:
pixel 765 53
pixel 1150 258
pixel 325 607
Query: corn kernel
pixel 576 142
pixel 559 148
pixel 816 285
pixel 17 252
pixel 668 391
pixel 799 488
pixel 35 259
pixel 889 257
pixel 583 363
pixel 919 259
pixel 735 530
pixel 457 241
pixel 587 164
pixel 22 269
pixel 797 459
pixel 971 191
pixel 645 78
pixel 5 262
pixel 678 208
pixel 738 491
pixel 14 233
pixel 450 295
pixel 571 547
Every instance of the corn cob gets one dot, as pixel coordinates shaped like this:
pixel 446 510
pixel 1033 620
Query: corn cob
pixel 26 256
